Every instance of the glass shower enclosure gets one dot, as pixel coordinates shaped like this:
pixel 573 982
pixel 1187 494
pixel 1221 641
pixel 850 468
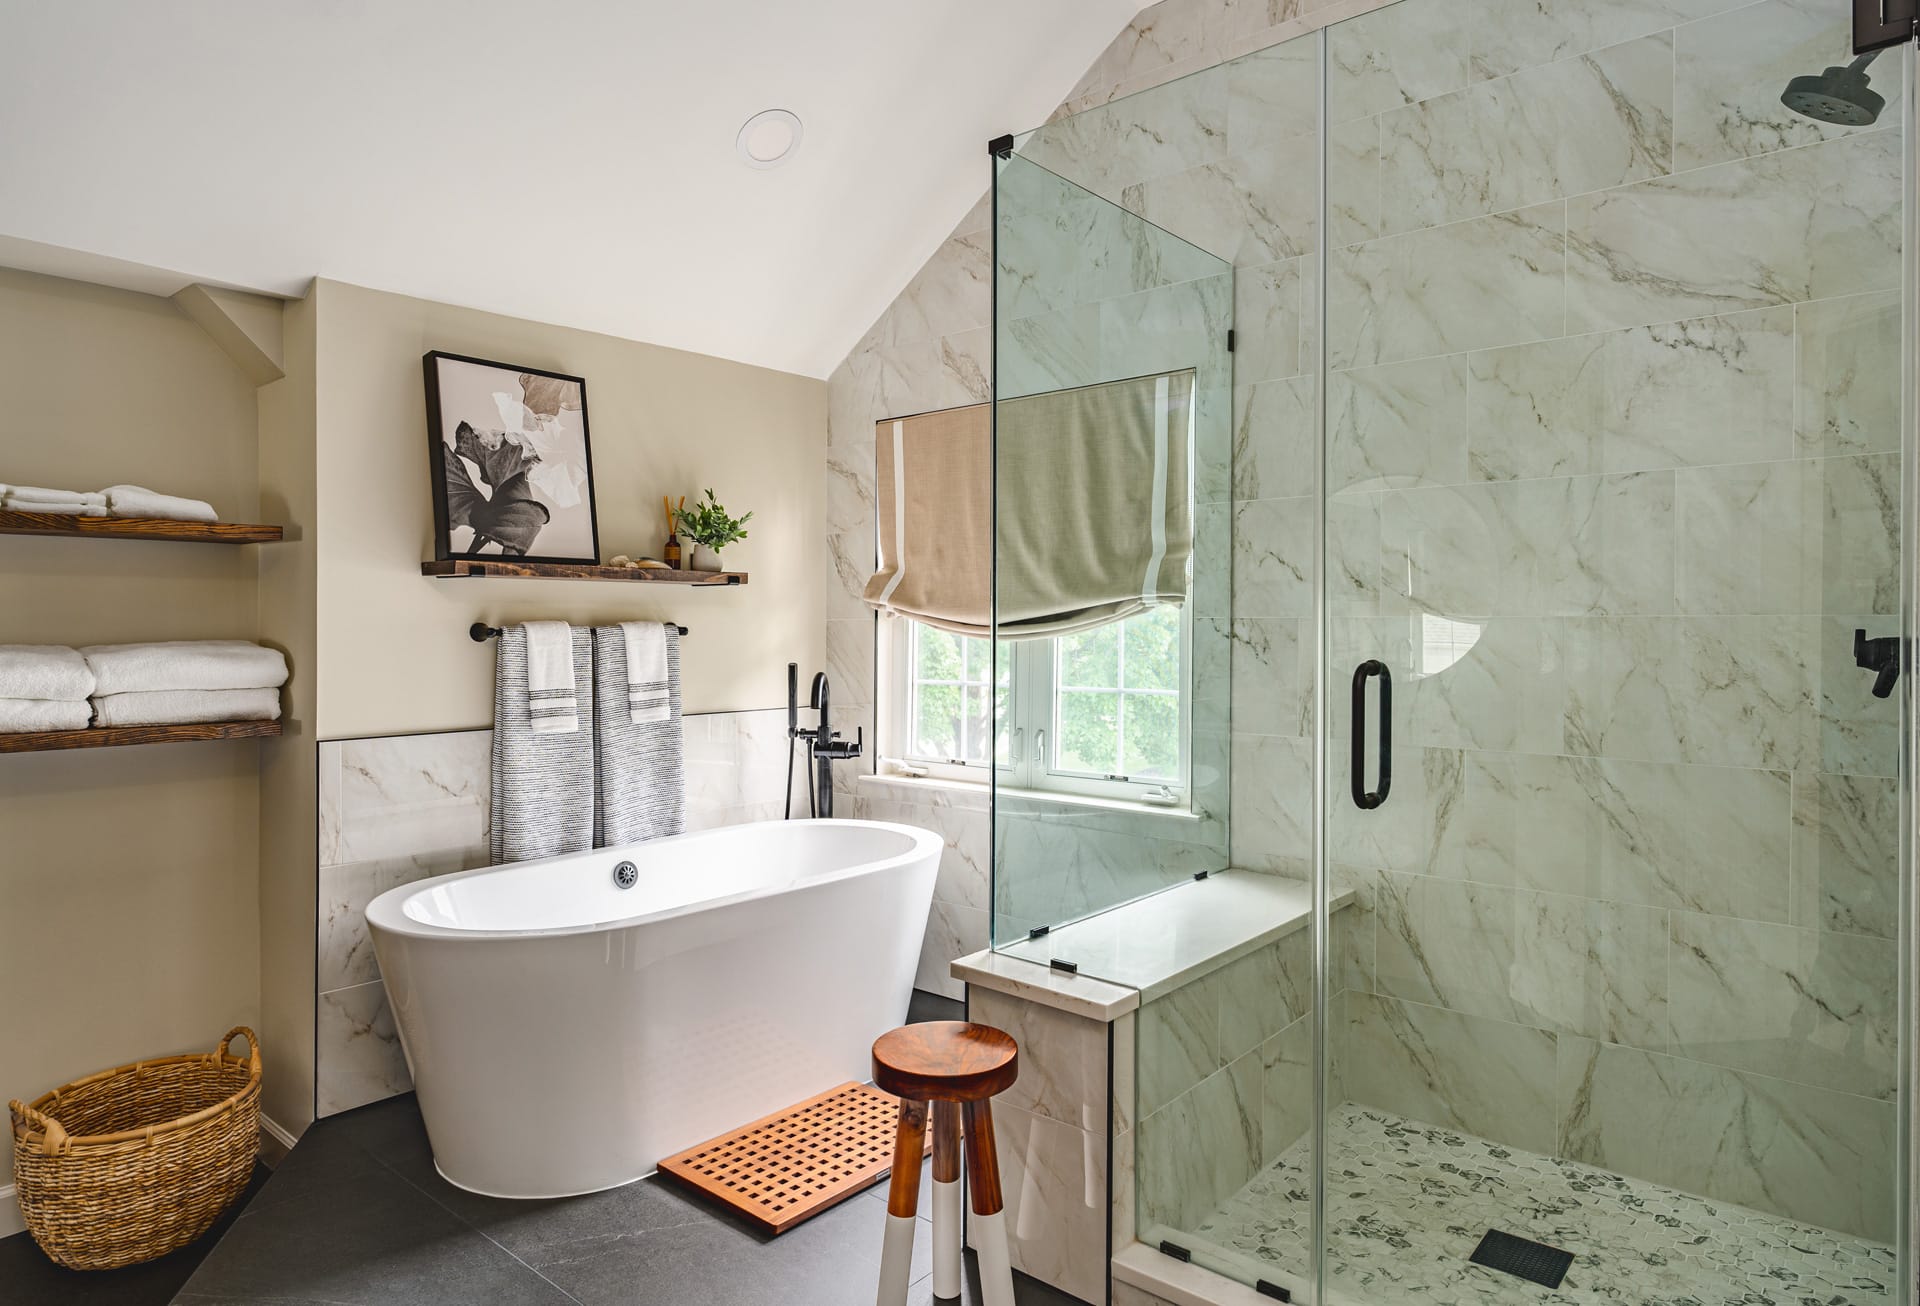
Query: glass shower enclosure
pixel 1548 468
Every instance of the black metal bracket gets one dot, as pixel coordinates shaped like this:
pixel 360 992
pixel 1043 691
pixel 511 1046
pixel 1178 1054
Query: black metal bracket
pixel 1065 967
pixel 1201 875
pixel 1880 656
pixel 1001 147
pixel 1039 931
pixel 1229 340
pixel 1268 1288
pixel 1175 1250
pixel 1878 24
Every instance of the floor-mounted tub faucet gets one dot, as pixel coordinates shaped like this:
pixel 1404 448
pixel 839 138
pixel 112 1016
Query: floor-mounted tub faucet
pixel 824 745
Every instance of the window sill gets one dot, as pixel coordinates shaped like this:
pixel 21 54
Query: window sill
pixel 923 787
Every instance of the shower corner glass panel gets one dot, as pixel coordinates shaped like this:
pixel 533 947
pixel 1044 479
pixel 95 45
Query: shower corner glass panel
pixel 1113 560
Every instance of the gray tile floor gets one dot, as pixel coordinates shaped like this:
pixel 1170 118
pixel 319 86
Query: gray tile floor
pixel 357 1216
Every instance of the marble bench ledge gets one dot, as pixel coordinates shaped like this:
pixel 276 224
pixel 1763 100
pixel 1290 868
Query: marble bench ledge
pixel 1151 946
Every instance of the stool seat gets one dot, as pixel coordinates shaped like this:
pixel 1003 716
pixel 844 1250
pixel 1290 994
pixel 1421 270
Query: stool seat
pixel 945 1061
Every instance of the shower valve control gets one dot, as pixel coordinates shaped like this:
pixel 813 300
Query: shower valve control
pixel 1881 656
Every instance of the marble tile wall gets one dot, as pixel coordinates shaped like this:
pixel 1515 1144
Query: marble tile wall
pixel 399 809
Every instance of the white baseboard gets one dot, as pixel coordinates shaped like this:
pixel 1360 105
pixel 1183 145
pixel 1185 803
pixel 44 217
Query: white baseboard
pixel 276 1140
pixel 10 1220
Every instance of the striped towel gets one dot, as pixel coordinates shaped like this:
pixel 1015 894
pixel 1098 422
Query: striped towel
pixel 542 780
pixel 551 703
pixel 639 768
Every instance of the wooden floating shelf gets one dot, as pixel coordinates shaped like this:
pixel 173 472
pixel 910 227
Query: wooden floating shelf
pixel 136 528
pixel 117 736
pixel 506 569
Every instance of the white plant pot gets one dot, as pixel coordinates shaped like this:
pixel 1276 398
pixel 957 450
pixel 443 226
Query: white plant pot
pixel 705 559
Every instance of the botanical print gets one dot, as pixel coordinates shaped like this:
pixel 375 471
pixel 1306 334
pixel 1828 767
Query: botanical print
pixel 512 473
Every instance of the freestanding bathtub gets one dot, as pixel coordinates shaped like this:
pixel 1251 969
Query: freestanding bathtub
pixel 566 1033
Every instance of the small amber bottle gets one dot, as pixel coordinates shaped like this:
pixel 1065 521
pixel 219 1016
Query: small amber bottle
pixel 672 552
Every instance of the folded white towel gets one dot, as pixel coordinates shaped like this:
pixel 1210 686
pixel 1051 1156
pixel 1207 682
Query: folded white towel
pixel 173 707
pixel 647 698
pixel 137 501
pixel 40 494
pixel 44 671
pixel 184 664
pixel 56 509
pixel 21 715
pixel 552 708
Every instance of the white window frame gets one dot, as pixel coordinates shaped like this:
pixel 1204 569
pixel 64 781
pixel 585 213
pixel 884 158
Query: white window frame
pixel 1031 709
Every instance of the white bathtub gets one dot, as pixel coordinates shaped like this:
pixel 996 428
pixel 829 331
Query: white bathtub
pixel 565 1034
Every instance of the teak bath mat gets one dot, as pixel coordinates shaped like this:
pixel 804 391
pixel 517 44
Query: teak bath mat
pixel 796 1163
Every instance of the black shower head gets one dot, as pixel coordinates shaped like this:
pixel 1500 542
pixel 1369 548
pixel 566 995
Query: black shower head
pixel 1839 95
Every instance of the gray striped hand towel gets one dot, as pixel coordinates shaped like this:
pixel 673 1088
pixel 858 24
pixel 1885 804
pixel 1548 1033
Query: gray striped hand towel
pixel 542 780
pixel 552 703
pixel 639 773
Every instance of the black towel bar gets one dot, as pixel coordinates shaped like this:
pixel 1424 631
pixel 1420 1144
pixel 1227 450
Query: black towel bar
pixel 480 632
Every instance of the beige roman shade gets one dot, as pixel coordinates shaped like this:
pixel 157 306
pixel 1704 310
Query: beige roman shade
pixel 1095 516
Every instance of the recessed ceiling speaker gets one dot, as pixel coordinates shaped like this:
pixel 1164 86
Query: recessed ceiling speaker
pixel 769 138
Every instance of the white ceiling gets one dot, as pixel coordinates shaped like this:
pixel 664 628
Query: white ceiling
pixel 567 162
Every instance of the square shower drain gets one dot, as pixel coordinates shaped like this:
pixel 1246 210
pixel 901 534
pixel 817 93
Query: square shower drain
pixel 1523 1257
pixel 796 1163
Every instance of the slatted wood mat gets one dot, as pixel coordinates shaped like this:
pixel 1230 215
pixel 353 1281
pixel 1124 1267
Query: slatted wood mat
pixel 796 1163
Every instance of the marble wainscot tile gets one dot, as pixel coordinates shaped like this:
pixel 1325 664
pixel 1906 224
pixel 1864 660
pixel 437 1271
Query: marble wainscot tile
pixel 1501 683
pixel 1272 787
pixel 1817 222
pixel 1729 691
pixel 1846 850
pixel 1273 558
pixel 949 372
pixel 1054 1177
pixel 1508 35
pixel 1267 309
pixel 950 293
pixel 1063 1059
pixel 1805 1153
pixel 1272 92
pixel 1353 180
pixel 1401 54
pixel 1693 838
pixel 1848 374
pixel 1858 734
pixel 1249 208
pixel 1745 537
pixel 1728 71
pixel 850 659
pixel 1044 352
pixel 1467 1072
pixel 1272 676
pixel 1806 1005
pixel 1164 130
pixel 1141 331
pixel 345 950
pixel 1706 391
pixel 402 795
pixel 1398 425
pixel 952 931
pixel 1286 1103
pixel 1274 442
pixel 1123 1103
pixel 1859 544
pixel 849 489
pixel 737 759
pixel 1201 1147
pixel 1477 284
pixel 359 1055
pixel 849 564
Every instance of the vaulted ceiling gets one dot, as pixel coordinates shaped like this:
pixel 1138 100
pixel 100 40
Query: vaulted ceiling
pixel 569 162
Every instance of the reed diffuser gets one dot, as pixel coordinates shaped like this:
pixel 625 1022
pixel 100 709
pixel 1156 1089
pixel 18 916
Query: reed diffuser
pixel 671 554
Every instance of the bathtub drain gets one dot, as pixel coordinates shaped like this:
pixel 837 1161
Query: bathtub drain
pixel 626 875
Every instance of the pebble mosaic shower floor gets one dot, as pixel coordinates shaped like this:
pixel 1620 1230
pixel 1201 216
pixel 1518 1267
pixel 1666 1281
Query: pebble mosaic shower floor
pixel 1407 1202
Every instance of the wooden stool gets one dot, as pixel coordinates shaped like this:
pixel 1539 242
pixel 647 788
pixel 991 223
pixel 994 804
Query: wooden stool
pixel 957 1068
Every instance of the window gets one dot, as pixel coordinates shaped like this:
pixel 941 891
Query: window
pixel 1100 713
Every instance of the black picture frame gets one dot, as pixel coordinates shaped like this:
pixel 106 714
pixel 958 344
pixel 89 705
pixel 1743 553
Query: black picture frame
pixel 455 494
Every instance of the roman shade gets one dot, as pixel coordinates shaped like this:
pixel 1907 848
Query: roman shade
pixel 1095 520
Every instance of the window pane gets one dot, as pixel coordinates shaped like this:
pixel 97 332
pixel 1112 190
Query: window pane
pixel 936 722
pixel 979 724
pixel 1091 659
pixel 1153 736
pixel 1089 732
pixel 1153 649
pixel 936 654
pixel 979 657
pixel 1003 670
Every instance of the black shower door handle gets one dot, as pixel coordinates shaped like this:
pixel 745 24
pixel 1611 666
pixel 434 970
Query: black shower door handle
pixel 1363 798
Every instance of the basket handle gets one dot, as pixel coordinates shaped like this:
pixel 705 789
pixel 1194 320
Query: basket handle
pixel 253 1047
pixel 54 1141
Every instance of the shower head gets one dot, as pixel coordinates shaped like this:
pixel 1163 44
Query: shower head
pixel 1839 95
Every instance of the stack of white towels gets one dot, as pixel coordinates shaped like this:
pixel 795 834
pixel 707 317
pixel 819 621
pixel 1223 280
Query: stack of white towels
pixel 114 501
pixel 51 687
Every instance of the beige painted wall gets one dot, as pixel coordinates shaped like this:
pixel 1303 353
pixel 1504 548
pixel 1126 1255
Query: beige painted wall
pixel 394 655
pixel 128 877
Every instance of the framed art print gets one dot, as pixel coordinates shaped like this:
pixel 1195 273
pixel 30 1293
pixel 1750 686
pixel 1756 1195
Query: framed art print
pixel 511 467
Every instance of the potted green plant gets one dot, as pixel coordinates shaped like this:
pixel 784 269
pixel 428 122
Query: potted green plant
pixel 711 528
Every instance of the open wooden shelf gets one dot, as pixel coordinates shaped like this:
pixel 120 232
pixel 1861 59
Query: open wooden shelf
pixel 116 736
pixel 507 569
pixel 136 528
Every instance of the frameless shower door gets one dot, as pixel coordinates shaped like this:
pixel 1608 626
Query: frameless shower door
pixel 1613 447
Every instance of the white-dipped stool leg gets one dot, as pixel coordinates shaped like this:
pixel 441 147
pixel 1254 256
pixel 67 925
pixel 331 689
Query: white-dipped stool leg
pixel 903 1195
pixel 996 1271
pixel 947 1188
pixel 896 1261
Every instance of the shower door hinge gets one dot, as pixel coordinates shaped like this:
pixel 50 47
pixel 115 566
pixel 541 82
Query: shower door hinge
pixel 1229 340
pixel 1065 967
pixel 1039 931
pixel 1878 24
pixel 1268 1288
pixel 1201 875
pixel 1175 1250
pixel 1001 147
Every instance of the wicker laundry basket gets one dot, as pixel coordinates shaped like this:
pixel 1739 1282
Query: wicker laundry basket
pixel 132 1163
